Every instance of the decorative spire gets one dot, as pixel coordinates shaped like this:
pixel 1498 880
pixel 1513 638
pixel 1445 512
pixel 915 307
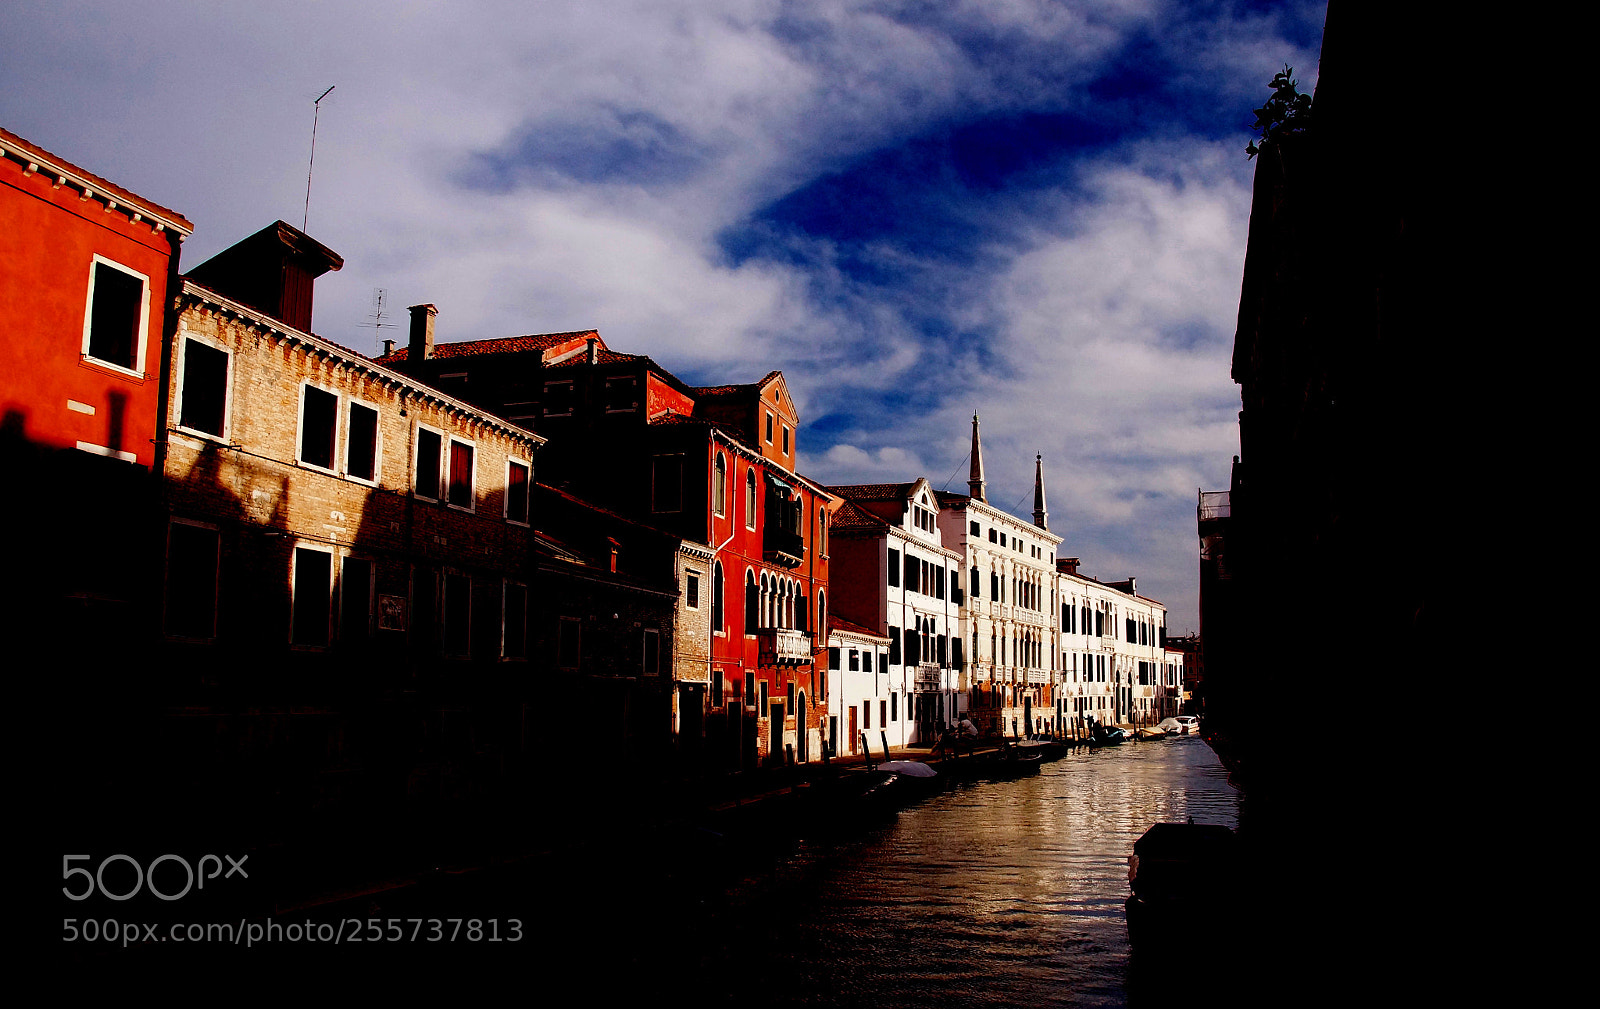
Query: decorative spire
pixel 1041 514
pixel 975 477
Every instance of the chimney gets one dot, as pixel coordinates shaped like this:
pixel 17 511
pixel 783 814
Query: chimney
pixel 421 333
pixel 594 350
pixel 388 347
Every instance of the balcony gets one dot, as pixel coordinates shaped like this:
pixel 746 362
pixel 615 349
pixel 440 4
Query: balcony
pixel 927 676
pixel 779 646
pixel 784 548
pixel 1038 676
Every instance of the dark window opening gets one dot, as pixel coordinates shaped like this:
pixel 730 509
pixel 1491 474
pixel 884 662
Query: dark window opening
pixel 318 424
pixel 355 601
pixel 514 635
pixel 114 317
pixel 429 444
pixel 313 574
pixel 361 452
pixel 517 492
pixel 457 614
pixel 205 388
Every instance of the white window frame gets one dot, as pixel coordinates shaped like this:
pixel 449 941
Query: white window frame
pixel 144 319
pixel 227 392
pixel 300 427
pixel 505 504
pixel 350 403
pixel 719 495
pixel 770 420
pixel 416 454
pixel 334 568
pixel 751 494
pixel 699 587
pixel 472 483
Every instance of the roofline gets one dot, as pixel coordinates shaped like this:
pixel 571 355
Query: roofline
pixel 31 154
pixel 204 294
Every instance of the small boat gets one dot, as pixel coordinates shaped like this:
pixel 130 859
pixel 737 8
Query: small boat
pixel 1183 876
pixel 1107 735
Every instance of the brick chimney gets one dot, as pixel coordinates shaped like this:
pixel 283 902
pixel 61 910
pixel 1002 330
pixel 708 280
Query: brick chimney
pixel 421 348
pixel 594 350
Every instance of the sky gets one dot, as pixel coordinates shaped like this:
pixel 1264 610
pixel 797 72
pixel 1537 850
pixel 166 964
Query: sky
pixel 1033 211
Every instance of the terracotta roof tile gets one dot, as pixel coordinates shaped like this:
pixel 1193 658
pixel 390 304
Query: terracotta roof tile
pixel 836 623
pixel 539 342
pixel 874 491
pixel 849 516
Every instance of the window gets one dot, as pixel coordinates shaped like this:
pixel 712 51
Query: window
pixel 355 601
pixel 203 388
pixel 894 646
pixel 993 536
pixel 769 429
pixel 569 642
pixel 457 614
pixel 319 425
pixel 114 319
pixel 514 622
pixel 750 688
pixel 750 498
pixel 855 660
pixel 977 583
pixel 691 590
pixel 461 474
pixel 913 568
pixel 558 398
pixel 785 439
pixel 894 568
pixel 650 653
pixel 191 603
pixel 622 394
pixel 972 528
pixel 822 531
pixel 311 598
pixel 666 483
pixel 833 658
pixel 430 446
pixel 894 706
pixel 719 484
pixel 716 598
pixel 866 714
pixel 361 443
pixel 752 603
pixel 517 474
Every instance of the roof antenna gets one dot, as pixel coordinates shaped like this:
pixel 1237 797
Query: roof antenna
pixel 317 111
pixel 380 302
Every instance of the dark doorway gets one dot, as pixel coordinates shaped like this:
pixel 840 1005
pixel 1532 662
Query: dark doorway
pixel 803 747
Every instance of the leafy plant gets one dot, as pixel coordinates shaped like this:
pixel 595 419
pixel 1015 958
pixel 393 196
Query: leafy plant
pixel 1287 111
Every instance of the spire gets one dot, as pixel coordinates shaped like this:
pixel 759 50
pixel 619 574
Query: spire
pixel 1041 514
pixel 975 478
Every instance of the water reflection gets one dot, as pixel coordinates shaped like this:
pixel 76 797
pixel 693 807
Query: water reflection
pixel 996 893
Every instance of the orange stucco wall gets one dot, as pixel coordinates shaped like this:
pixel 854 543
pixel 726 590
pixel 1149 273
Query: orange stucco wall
pixel 48 241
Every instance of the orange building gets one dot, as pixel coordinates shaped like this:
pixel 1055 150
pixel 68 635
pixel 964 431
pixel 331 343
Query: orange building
pixel 88 271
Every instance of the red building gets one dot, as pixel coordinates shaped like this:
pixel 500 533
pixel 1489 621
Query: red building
pixel 713 465
pixel 88 270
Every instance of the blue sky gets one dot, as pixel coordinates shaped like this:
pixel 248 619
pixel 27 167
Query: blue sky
pixel 916 210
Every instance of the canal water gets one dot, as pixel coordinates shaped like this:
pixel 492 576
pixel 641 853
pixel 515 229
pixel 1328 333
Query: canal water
pixel 1000 893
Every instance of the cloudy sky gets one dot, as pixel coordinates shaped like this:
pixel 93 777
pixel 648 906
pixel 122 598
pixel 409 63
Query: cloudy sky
pixel 1034 210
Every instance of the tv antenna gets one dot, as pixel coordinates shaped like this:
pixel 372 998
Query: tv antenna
pixel 380 299
pixel 316 111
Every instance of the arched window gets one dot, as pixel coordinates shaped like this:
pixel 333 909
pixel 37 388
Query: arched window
pixel 751 602
pixel 822 531
pixel 766 601
pixel 716 597
pixel 800 613
pixel 719 485
pixel 750 498
pixel 822 612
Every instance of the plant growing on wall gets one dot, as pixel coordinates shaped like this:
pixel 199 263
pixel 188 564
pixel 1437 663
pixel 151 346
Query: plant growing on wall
pixel 1287 111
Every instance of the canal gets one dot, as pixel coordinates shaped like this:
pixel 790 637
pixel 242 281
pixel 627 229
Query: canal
pixel 998 893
